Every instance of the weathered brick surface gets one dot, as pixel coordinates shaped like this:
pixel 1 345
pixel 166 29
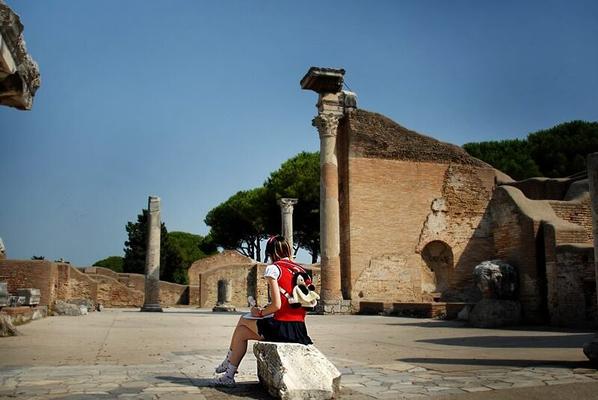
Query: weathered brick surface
pixel 242 279
pixel 227 257
pixel 390 221
pixel 577 212
pixel 30 274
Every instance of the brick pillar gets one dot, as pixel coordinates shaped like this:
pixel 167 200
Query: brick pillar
pixel 286 216
pixel 591 348
pixel 152 257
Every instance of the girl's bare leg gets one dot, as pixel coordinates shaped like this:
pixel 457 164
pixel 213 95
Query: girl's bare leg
pixel 246 330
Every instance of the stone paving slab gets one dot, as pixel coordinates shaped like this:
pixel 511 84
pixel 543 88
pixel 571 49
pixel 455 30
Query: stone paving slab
pixel 183 369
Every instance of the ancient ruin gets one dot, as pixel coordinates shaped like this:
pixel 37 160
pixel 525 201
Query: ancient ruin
pixel 405 219
pixel 19 73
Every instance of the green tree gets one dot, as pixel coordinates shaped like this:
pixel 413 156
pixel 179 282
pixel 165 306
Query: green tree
pixel 513 157
pixel 241 222
pixel 299 177
pixel 172 268
pixel 562 150
pixel 188 246
pixel 556 152
pixel 115 263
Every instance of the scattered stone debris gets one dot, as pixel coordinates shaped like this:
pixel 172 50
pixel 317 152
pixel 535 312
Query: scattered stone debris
pixel 64 308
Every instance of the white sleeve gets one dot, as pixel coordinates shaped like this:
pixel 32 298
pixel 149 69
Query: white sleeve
pixel 272 271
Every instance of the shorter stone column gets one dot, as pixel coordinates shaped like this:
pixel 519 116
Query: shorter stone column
pixel 152 257
pixel 2 250
pixel 286 215
pixel 591 348
pixel 224 297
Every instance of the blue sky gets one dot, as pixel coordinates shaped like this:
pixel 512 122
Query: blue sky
pixel 195 100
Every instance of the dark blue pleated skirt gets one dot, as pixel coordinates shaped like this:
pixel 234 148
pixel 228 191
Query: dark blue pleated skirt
pixel 283 331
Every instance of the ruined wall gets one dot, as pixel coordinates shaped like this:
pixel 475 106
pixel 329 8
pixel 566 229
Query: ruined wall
pixel 399 207
pixel 403 196
pixel 241 279
pixel 38 274
pixel 173 293
pixel 577 212
pixel 543 188
pixel 227 257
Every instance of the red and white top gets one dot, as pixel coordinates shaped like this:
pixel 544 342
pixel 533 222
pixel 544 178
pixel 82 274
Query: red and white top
pixel 283 271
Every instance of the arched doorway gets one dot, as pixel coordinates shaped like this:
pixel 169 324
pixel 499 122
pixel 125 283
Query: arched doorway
pixel 438 257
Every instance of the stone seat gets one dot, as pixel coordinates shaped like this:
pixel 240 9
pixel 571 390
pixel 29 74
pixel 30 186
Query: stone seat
pixel 292 371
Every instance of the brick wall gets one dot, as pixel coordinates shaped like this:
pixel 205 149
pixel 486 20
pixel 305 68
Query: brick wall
pixel 391 220
pixel 30 274
pixel 576 212
pixel 242 284
pixel 519 242
pixel 227 257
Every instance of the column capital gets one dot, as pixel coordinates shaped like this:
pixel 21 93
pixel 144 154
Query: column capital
pixel 327 124
pixel 286 204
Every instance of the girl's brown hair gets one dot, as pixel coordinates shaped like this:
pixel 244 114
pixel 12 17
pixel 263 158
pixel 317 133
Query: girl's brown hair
pixel 277 248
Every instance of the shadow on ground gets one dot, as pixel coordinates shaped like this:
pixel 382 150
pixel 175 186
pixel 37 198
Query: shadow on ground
pixel 555 341
pixel 498 362
pixel 246 390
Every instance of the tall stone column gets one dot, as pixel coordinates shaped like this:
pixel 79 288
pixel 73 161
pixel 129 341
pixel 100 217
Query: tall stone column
pixel 286 215
pixel 152 257
pixel 591 348
pixel 327 124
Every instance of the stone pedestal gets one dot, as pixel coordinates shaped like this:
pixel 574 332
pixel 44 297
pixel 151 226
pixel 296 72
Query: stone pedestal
pixel 224 297
pixel 590 349
pixel 286 214
pixel 152 258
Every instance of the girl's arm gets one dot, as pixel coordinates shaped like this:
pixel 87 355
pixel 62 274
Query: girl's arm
pixel 274 296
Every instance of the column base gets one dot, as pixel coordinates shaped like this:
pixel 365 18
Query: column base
pixel 329 307
pixel 151 308
pixel 224 308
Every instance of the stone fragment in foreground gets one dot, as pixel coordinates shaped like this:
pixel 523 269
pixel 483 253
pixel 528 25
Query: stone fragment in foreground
pixel 292 371
pixel 6 327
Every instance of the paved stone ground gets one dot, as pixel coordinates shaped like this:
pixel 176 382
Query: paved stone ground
pixel 123 354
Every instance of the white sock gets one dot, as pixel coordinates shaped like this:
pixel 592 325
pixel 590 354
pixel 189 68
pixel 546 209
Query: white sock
pixel 231 370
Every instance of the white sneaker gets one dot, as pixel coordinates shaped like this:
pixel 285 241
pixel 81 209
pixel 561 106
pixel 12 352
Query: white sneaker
pixel 224 380
pixel 222 367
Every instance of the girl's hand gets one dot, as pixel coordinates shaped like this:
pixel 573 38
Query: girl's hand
pixel 255 311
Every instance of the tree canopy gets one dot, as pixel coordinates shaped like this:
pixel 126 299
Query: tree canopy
pixel 248 217
pixel 556 152
pixel 240 222
pixel 115 263
pixel 299 177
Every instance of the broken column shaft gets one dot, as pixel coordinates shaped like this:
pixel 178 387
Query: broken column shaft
pixel 286 216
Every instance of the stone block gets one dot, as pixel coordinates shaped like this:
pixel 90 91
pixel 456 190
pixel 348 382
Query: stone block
pixel 88 304
pixel 493 313
pixel 496 280
pixel 32 296
pixel 292 371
